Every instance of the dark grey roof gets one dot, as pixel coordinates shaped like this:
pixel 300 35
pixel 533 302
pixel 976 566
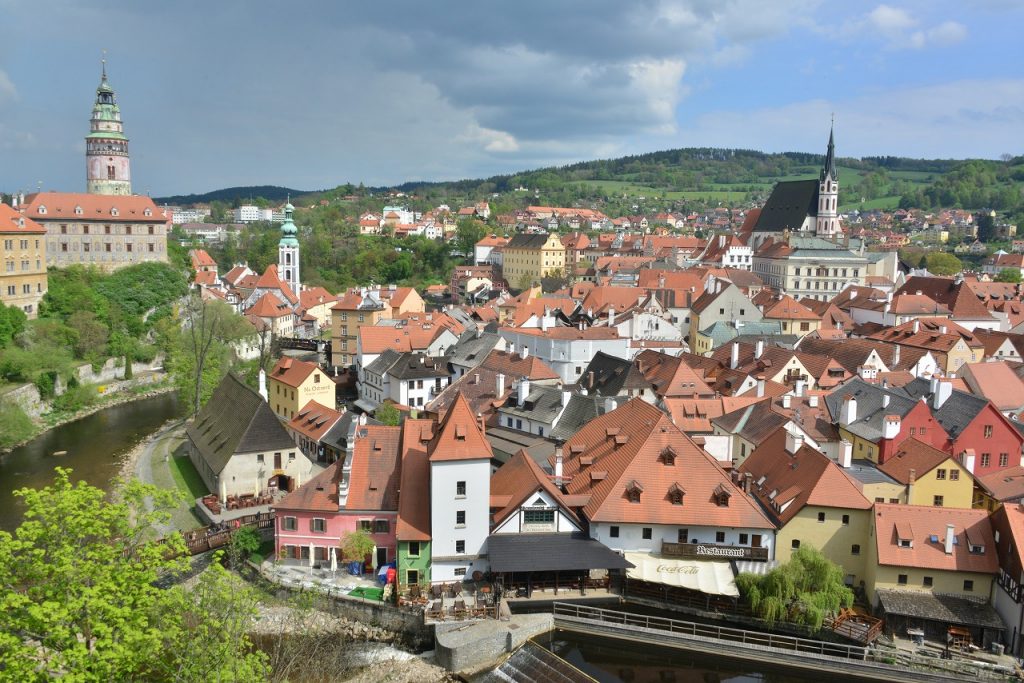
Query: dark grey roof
pixel 956 413
pixel 870 411
pixel 337 436
pixel 472 348
pixel 580 411
pixel 612 375
pixel 382 363
pixel 550 552
pixel 527 241
pixel 418 366
pixel 948 609
pixel 236 419
pixel 788 206
pixel 867 472
pixel 507 442
pixel 542 405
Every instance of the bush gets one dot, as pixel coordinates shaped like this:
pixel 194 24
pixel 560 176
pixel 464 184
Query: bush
pixel 15 425
pixel 75 398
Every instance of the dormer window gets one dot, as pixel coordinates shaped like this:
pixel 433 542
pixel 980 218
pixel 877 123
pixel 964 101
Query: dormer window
pixel 147 212
pixel 78 211
pixel 721 496
pixel 41 210
pixel 675 494
pixel 668 456
pixel 633 491
pixel 906 543
pixel 114 211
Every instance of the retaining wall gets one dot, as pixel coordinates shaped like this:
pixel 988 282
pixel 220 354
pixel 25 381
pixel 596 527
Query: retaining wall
pixel 470 647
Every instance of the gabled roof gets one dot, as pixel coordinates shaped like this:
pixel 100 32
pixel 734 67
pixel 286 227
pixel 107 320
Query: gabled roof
pixel 94 207
pixel 958 411
pixel 459 436
pixel 529 241
pixel 199 257
pixel 786 482
pixel 608 375
pixel 954 294
pixel 414 501
pixel 269 306
pixel 314 420
pixel 513 365
pixel 292 371
pixel 787 308
pixel 913 455
pixel 319 494
pixel 518 480
pixel 236 420
pixel 271 280
pixel 922 523
pixel 996 382
pixel 638 444
pixel 789 204
pixel 871 410
pixel 12 222
pixel 376 469
pixel 479 386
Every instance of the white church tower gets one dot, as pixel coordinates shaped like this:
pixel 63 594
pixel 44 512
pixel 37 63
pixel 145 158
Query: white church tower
pixel 827 223
pixel 288 251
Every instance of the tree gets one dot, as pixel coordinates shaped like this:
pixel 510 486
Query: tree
pixel 355 545
pixel 209 326
pixel 387 414
pixel 12 323
pixel 803 591
pixel 986 227
pixel 1008 275
pixel 81 598
pixel 941 263
pixel 468 232
pixel 92 335
pixel 244 543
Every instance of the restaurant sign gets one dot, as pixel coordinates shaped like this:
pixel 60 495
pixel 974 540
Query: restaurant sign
pixel 713 551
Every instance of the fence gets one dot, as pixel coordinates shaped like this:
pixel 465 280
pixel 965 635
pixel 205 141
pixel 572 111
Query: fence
pixel 211 537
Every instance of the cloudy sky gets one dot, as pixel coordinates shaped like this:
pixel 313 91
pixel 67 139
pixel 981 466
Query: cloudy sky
pixel 314 94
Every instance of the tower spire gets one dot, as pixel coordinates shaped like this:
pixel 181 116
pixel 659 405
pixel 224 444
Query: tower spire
pixel 829 169
pixel 107 165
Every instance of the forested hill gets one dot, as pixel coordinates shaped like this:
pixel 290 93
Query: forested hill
pixel 229 195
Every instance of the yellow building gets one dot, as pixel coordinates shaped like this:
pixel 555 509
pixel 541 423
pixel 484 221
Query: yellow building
pixel 924 549
pixel 358 307
pixel 527 258
pixel 930 476
pixel 794 317
pixel 813 502
pixel 294 383
pixel 23 252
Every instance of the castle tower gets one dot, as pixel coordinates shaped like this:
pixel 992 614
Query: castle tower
pixel 107 168
pixel 827 223
pixel 288 251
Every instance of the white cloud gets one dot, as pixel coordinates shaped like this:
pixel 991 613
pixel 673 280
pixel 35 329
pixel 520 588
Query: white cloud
pixel 890 19
pixel 8 93
pixel 947 33
pixel 898 29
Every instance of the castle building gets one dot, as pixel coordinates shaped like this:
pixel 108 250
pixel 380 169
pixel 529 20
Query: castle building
pixel 107 166
pixel 288 251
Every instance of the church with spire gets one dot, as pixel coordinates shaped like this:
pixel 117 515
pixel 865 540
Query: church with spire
pixel 107 165
pixel 288 251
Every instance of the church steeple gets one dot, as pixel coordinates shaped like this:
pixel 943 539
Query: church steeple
pixel 827 221
pixel 288 251
pixel 829 169
pixel 107 166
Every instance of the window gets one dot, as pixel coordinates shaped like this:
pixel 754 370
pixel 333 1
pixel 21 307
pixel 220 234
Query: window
pixel 106 229
pixel 318 525
pixel 986 458
pixel 259 458
pixel 460 518
pixel 719 537
pixel 412 577
pixel 106 247
pixel 846 520
pixel 968 585
pixel 86 246
pixel 926 582
pixel 63 246
pixel 894 501
pixel 85 229
pixel 922 430
pixel 461 571
pixel 743 539
pixel 988 431
pixel 366 525
pixel 795 545
pixel 460 547
pixel 1004 459
pixel 646 533
pixel 414 549
pixel 613 532
pixel 151 230
pixel 906 543
pixel 937 501
pixel 902 579
pixel 289 524
pixel 855 549
pixel 460 488
pixel 954 475
pixel 63 229
pixel 127 229
pixel 821 516
pixel 381 526
pixel 683 536
pixel 940 474
pixel 128 247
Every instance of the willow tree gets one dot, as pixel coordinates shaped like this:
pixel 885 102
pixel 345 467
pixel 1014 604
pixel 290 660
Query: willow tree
pixel 802 591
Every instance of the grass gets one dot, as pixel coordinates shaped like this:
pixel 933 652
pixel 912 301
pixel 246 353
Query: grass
pixel 886 203
pixel 266 550
pixel 186 478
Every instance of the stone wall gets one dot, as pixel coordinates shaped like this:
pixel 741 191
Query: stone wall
pixel 470 647
pixel 27 397
pixel 112 370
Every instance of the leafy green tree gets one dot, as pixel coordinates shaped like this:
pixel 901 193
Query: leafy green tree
pixel 1008 275
pixel 803 591
pixel 91 335
pixel 355 545
pixel 941 263
pixel 387 414
pixel 12 323
pixel 468 232
pixel 244 543
pixel 986 227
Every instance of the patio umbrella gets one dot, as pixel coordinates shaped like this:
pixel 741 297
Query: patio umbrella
pixel 334 561
pixel 312 552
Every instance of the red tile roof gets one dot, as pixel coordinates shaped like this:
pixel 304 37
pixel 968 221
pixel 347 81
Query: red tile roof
pixel 12 221
pixel 200 258
pixel 314 420
pixel 95 207
pixel 913 455
pixel 920 523
pixel 414 502
pixel 515 366
pixel 293 372
pixel 269 306
pixel 459 436
pixel 376 469
pixel 517 480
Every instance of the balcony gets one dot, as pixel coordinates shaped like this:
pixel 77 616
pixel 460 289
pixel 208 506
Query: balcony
pixel 713 551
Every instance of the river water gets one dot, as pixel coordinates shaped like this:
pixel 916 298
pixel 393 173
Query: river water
pixel 95 445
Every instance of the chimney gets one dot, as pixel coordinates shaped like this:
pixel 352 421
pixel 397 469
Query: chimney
pixel 942 393
pixel 610 404
pixel 891 426
pixel 917 326
pixel 263 386
pixel 590 379
pixel 479 331
pixel 566 395
pixel 943 329
pixel 748 478
pixel 760 387
pixel 524 391
pixel 848 412
pixel 480 422
pixel 544 322
pixel 950 536
pixel 812 400
pixel 787 401
pixel 476 378
pixel 524 351
pixel 895 357
pixel 734 359
pixel 759 348
pixel 558 467
pixel 800 388
pixel 845 454
pixel 794 442
pixel 499 389
pixel 611 315
pixel 885 400
pixel 968 458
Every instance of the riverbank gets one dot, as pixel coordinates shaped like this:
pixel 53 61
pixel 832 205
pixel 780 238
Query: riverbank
pixel 53 419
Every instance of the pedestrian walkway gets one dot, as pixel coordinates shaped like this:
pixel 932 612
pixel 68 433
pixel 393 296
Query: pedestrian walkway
pixel 304 577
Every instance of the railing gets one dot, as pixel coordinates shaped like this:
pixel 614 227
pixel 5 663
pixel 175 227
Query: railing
pixel 710 631
pixel 208 538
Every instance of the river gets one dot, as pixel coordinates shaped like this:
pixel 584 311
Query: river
pixel 95 445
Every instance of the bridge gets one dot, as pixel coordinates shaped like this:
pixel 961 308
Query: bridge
pixel 852 661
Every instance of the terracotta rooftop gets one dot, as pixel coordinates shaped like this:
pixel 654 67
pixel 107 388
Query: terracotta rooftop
pixel 11 221
pixel 919 524
pixel 459 436
pixel 913 455
pixel 376 469
pixel 414 502
pixel 292 371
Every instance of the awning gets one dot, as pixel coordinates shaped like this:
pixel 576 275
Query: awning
pixel 550 552
pixel 365 406
pixel 713 578
pixel 948 609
